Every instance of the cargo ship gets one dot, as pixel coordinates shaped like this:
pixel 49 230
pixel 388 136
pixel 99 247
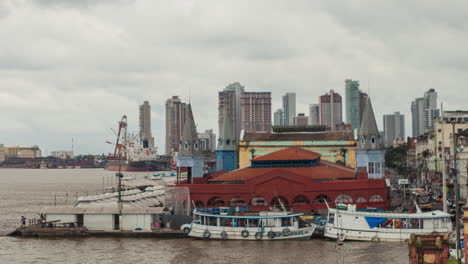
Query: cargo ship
pixel 133 154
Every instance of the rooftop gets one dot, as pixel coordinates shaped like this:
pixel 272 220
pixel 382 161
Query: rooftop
pixel 294 153
pixel 295 136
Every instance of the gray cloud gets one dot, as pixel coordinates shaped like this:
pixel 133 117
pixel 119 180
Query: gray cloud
pixel 72 68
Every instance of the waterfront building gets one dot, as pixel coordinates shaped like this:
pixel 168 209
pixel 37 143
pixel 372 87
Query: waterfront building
pixel 334 146
pixel 189 155
pixel 230 99
pixel 207 140
pixel 256 111
pixel 62 154
pixel 297 178
pixel 370 153
pixel 355 103
pixel 289 107
pixel 331 110
pixel 301 120
pixel 394 127
pixel 2 153
pixel 423 112
pixel 22 152
pixel 176 113
pixel 145 125
pixel 226 154
pixel 314 114
pixel 278 117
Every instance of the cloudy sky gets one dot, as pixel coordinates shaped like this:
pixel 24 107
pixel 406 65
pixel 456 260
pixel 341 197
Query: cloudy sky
pixel 72 68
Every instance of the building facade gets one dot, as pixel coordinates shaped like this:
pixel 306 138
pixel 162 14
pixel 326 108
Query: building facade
pixel 207 140
pixel 331 110
pixel 394 127
pixel 226 153
pixel 423 112
pixel 256 111
pixel 314 114
pixel 2 153
pixel 146 136
pixel 278 117
pixel 301 120
pixel 230 99
pixel 22 152
pixel 289 108
pixel 176 113
pixel 355 103
pixel 62 154
pixel 333 146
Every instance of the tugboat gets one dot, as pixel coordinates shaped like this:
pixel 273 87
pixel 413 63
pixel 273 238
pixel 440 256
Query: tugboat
pixel 249 226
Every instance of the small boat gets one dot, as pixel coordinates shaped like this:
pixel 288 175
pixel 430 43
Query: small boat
pixel 251 226
pixel 346 223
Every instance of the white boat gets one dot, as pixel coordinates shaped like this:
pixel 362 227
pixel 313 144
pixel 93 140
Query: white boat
pixel 260 226
pixel 345 223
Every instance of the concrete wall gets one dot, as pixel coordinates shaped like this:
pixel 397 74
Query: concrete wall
pixel 99 222
pixel 330 150
pixel 64 218
pixel 134 221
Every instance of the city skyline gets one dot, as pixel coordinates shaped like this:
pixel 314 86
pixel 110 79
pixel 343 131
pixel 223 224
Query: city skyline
pixel 93 67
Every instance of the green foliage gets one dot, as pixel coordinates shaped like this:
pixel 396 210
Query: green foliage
pixel 395 158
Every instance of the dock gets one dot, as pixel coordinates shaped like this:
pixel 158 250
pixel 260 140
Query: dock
pixel 48 232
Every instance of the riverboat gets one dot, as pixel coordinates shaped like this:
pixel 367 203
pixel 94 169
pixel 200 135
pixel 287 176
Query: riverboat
pixel 258 226
pixel 346 223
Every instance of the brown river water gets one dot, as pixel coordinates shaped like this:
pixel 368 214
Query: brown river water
pixel 25 191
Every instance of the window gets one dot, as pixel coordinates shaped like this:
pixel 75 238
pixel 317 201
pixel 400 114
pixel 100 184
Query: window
pixel 228 141
pixel 371 168
pixel 373 140
pixel 186 145
pixel 377 167
pixel 196 146
pixel 376 198
pixel 363 140
pixel 343 198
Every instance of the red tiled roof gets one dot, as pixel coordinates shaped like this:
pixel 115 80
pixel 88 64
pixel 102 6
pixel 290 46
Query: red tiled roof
pixel 293 153
pixel 323 171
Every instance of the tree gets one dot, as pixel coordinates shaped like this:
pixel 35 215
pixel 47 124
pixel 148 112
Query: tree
pixel 395 158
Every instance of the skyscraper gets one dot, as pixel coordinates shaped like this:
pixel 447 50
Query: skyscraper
pixel 394 127
pixel 145 125
pixel 176 113
pixel 355 103
pixel 423 112
pixel 256 111
pixel 289 107
pixel 278 117
pixel 314 111
pixel 331 110
pixel 230 98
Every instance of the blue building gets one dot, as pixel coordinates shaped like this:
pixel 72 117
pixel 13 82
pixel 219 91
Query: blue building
pixel 370 152
pixel 226 154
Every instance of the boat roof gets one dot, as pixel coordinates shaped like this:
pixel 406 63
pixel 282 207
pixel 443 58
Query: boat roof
pixel 423 215
pixel 100 210
pixel 248 216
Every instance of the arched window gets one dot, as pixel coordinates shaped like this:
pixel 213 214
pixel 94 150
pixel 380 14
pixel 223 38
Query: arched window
pixel 199 204
pixel 361 200
pixel 216 201
pixel 300 200
pixel 186 145
pixel 237 201
pixel 376 198
pixel 373 140
pixel 258 201
pixel 277 200
pixel 228 141
pixel 320 199
pixel 195 146
pixel 343 199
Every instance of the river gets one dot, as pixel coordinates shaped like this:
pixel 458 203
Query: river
pixel 25 191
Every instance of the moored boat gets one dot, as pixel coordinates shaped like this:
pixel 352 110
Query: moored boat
pixel 259 226
pixel 345 223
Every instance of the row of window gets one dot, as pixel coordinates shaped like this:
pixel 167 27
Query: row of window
pixel 375 167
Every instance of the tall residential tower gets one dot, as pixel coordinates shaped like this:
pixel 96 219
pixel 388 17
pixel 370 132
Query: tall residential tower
pixel 289 107
pixel 394 127
pixel 145 125
pixel 331 110
pixel 176 113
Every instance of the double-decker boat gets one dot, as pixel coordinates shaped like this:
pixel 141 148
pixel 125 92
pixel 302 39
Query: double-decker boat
pixel 251 226
pixel 345 223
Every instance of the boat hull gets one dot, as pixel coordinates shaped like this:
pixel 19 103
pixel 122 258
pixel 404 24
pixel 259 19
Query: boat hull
pixel 236 233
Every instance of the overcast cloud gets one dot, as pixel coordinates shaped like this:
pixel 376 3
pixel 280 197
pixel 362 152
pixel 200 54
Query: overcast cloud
pixel 73 68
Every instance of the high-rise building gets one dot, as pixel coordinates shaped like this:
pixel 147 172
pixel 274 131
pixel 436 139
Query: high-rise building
pixel 278 117
pixel 355 103
pixel 256 111
pixel 145 125
pixel 331 110
pixel 176 113
pixel 230 98
pixel 423 112
pixel 207 140
pixel 314 114
pixel 394 127
pixel 301 120
pixel 289 107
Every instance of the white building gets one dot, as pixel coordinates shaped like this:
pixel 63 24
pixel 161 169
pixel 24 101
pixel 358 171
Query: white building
pixel 62 154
